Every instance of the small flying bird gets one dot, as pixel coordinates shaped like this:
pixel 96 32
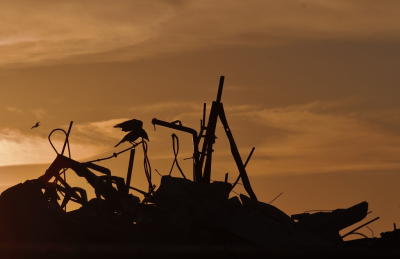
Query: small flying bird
pixel 36 125
pixel 136 130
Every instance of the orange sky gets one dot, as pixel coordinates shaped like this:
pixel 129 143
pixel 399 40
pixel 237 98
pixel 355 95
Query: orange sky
pixel 312 85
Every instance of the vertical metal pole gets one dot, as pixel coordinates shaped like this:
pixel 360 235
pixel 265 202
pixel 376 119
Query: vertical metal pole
pixel 129 175
pixel 202 126
pixel 210 134
pixel 208 143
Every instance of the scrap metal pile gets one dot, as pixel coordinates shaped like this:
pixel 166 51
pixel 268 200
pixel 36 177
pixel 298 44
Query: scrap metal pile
pixel 180 211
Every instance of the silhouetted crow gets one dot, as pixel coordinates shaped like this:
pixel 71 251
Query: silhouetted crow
pixel 134 135
pixel 36 125
pixel 130 125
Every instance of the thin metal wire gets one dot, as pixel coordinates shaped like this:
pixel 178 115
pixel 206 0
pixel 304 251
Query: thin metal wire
pixel 371 231
pixel 66 143
pixel 147 167
pixel 175 147
pixel 235 192
pixel 158 172
pixel 275 198
pixel 115 154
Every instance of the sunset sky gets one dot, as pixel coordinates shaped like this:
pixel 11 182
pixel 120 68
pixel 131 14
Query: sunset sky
pixel 312 85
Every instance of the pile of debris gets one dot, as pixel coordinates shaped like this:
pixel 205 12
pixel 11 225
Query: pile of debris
pixel 180 211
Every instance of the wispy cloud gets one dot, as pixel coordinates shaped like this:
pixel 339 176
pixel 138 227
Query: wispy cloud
pixel 14 110
pixel 17 148
pixel 166 106
pixel 16 39
pixel 309 139
pixel 98 133
pixel 86 140
pixel 56 31
pixel 237 88
pixel 39 113
pixel 184 111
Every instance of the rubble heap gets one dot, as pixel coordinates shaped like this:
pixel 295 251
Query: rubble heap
pixel 180 211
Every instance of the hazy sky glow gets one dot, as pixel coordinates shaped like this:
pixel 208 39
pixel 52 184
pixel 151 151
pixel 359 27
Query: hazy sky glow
pixel 46 31
pixel 312 85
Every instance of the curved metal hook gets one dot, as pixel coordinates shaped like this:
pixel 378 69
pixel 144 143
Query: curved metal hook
pixel 51 143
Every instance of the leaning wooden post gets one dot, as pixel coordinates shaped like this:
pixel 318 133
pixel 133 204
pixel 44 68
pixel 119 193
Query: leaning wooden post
pixel 235 154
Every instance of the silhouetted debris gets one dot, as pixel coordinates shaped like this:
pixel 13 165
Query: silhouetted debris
pixel 328 224
pixel 180 211
pixel 390 239
pixel 27 216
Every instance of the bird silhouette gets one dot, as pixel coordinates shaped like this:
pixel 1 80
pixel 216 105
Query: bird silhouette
pixel 36 125
pixel 134 135
pixel 136 130
pixel 130 125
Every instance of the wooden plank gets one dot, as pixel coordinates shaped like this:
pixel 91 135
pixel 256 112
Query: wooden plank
pixel 235 154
